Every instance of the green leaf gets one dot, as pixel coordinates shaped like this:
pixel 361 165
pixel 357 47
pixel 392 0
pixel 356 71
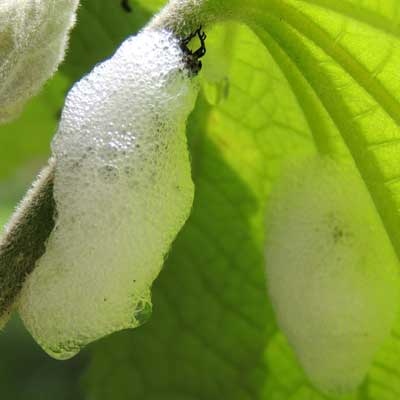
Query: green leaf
pixel 347 56
pixel 212 321
pixel 349 60
pixel 26 140
pixel 311 76
pixel 314 76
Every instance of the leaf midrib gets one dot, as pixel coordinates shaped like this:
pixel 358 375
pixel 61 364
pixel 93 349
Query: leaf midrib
pixel 359 14
pixel 281 15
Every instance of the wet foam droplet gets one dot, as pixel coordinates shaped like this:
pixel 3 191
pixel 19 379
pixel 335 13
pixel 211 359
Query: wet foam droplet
pixel 118 210
pixel 333 276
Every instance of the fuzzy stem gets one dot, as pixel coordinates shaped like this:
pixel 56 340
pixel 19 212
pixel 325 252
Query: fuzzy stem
pixel 185 16
pixel 25 237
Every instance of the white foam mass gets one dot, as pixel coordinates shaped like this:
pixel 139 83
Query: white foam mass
pixel 123 190
pixel 33 38
pixel 332 273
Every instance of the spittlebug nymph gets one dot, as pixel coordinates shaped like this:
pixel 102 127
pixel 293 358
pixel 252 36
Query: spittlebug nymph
pixel 126 6
pixel 192 58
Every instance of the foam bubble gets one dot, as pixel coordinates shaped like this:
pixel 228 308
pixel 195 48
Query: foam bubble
pixel 123 190
pixel 33 38
pixel 332 273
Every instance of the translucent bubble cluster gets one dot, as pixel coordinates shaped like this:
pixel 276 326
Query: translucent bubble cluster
pixel 33 38
pixel 332 273
pixel 123 190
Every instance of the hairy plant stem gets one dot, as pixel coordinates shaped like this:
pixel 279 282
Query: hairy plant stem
pixel 24 241
pixel 185 16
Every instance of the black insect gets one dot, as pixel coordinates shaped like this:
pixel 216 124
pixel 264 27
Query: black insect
pixel 192 58
pixel 126 6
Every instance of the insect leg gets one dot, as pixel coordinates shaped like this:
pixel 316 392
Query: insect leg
pixel 202 50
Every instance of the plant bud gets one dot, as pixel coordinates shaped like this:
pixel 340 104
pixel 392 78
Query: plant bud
pixel 33 39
